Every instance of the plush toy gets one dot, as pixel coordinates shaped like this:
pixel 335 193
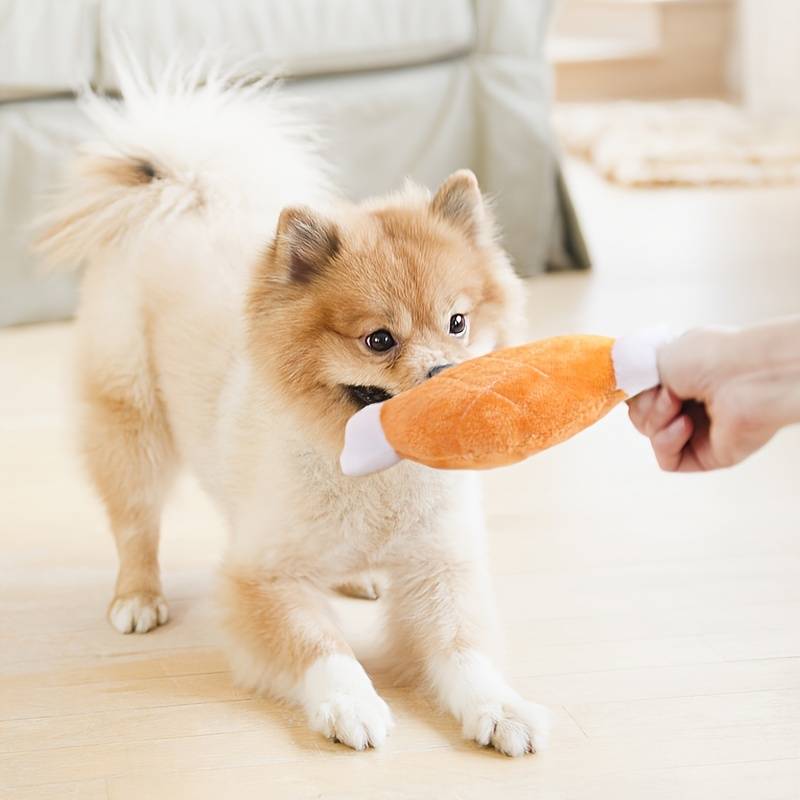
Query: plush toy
pixel 505 406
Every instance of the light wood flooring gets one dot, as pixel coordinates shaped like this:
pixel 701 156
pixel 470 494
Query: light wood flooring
pixel 657 615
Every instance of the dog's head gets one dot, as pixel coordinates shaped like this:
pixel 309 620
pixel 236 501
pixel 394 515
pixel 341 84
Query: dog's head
pixel 352 307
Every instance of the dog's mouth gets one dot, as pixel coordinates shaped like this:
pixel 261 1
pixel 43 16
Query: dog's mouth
pixel 366 395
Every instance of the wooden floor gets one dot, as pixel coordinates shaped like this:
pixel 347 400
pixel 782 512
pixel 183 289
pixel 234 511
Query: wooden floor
pixel 657 615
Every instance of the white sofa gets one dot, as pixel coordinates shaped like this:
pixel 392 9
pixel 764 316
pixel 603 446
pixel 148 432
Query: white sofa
pixel 403 88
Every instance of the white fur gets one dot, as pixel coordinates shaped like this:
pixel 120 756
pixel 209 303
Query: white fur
pixel 341 703
pixel 168 265
pixel 137 614
pixel 489 710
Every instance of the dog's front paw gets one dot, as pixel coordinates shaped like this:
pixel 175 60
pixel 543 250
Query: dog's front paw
pixel 489 710
pixel 511 725
pixel 342 704
pixel 355 720
pixel 137 612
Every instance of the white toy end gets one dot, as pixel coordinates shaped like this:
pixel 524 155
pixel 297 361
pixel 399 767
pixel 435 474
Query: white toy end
pixel 366 449
pixel 635 358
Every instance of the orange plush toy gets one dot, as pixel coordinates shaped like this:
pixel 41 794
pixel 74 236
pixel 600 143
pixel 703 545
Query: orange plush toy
pixel 505 406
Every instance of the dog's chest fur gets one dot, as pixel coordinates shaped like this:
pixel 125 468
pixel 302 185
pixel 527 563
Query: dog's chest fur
pixel 380 514
pixel 321 521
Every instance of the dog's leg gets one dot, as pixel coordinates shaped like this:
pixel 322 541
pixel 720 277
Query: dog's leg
pixel 442 614
pixel 283 641
pixel 129 451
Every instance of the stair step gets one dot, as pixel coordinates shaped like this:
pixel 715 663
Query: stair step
pixel 581 49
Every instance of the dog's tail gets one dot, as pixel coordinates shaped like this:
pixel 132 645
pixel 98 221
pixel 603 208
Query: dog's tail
pixel 174 147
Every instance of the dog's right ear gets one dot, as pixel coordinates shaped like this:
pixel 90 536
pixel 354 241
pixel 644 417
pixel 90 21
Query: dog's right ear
pixel 458 200
pixel 305 242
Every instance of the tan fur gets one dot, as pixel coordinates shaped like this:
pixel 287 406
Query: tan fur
pixel 65 225
pixel 363 587
pixel 398 266
pixel 403 264
pixel 439 604
pixel 189 355
pixel 130 455
pixel 106 180
pixel 283 622
pixel 121 172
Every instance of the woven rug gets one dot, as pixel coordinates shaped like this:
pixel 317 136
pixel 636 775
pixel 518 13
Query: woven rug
pixel 687 142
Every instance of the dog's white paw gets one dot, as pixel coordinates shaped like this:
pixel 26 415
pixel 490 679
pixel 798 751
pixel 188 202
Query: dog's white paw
pixel 490 711
pixel 511 725
pixel 357 721
pixel 342 704
pixel 138 612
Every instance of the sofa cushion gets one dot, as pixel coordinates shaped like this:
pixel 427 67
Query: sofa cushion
pixel 295 37
pixel 37 139
pixel 46 46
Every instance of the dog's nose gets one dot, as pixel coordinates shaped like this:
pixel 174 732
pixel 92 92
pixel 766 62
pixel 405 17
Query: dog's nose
pixel 437 369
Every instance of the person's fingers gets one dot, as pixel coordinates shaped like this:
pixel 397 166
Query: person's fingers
pixel 666 406
pixel 669 443
pixel 639 408
pixel 699 454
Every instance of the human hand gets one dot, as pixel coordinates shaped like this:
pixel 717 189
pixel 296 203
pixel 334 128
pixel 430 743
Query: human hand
pixel 723 395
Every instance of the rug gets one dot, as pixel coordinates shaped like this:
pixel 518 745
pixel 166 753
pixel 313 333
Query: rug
pixel 686 142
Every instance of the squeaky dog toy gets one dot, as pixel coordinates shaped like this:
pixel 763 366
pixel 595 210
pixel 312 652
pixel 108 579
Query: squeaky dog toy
pixel 505 406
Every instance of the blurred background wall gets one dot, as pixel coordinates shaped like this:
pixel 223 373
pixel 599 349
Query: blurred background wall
pixel 419 88
pixel 769 53
pixel 657 49
pixel 644 49
pixel 680 92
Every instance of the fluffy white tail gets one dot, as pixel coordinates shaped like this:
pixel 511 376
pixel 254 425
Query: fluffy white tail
pixel 173 147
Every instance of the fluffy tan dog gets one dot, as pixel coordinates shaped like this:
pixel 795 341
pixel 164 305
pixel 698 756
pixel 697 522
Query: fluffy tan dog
pixel 234 314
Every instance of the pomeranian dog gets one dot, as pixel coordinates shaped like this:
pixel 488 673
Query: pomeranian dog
pixel 235 312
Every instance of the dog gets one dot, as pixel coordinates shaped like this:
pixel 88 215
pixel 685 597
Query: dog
pixel 234 313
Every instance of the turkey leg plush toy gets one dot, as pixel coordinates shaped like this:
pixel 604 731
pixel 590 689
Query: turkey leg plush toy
pixel 505 406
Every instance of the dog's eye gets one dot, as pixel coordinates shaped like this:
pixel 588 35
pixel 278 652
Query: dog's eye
pixel 458 324
pixel 380 341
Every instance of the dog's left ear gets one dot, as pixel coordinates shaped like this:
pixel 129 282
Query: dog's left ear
pixel 305 242
pixel 459 201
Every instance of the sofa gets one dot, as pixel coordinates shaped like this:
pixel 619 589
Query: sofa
pixel 401 88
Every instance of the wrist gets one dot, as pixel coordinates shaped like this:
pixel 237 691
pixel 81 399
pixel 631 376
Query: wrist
pixel 766 358
pixel 769 345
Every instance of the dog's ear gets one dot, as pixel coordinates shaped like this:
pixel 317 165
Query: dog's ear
pixel 305 242
pixel 459 201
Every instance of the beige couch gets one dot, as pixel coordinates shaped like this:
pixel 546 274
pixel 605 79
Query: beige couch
pixel 404 88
